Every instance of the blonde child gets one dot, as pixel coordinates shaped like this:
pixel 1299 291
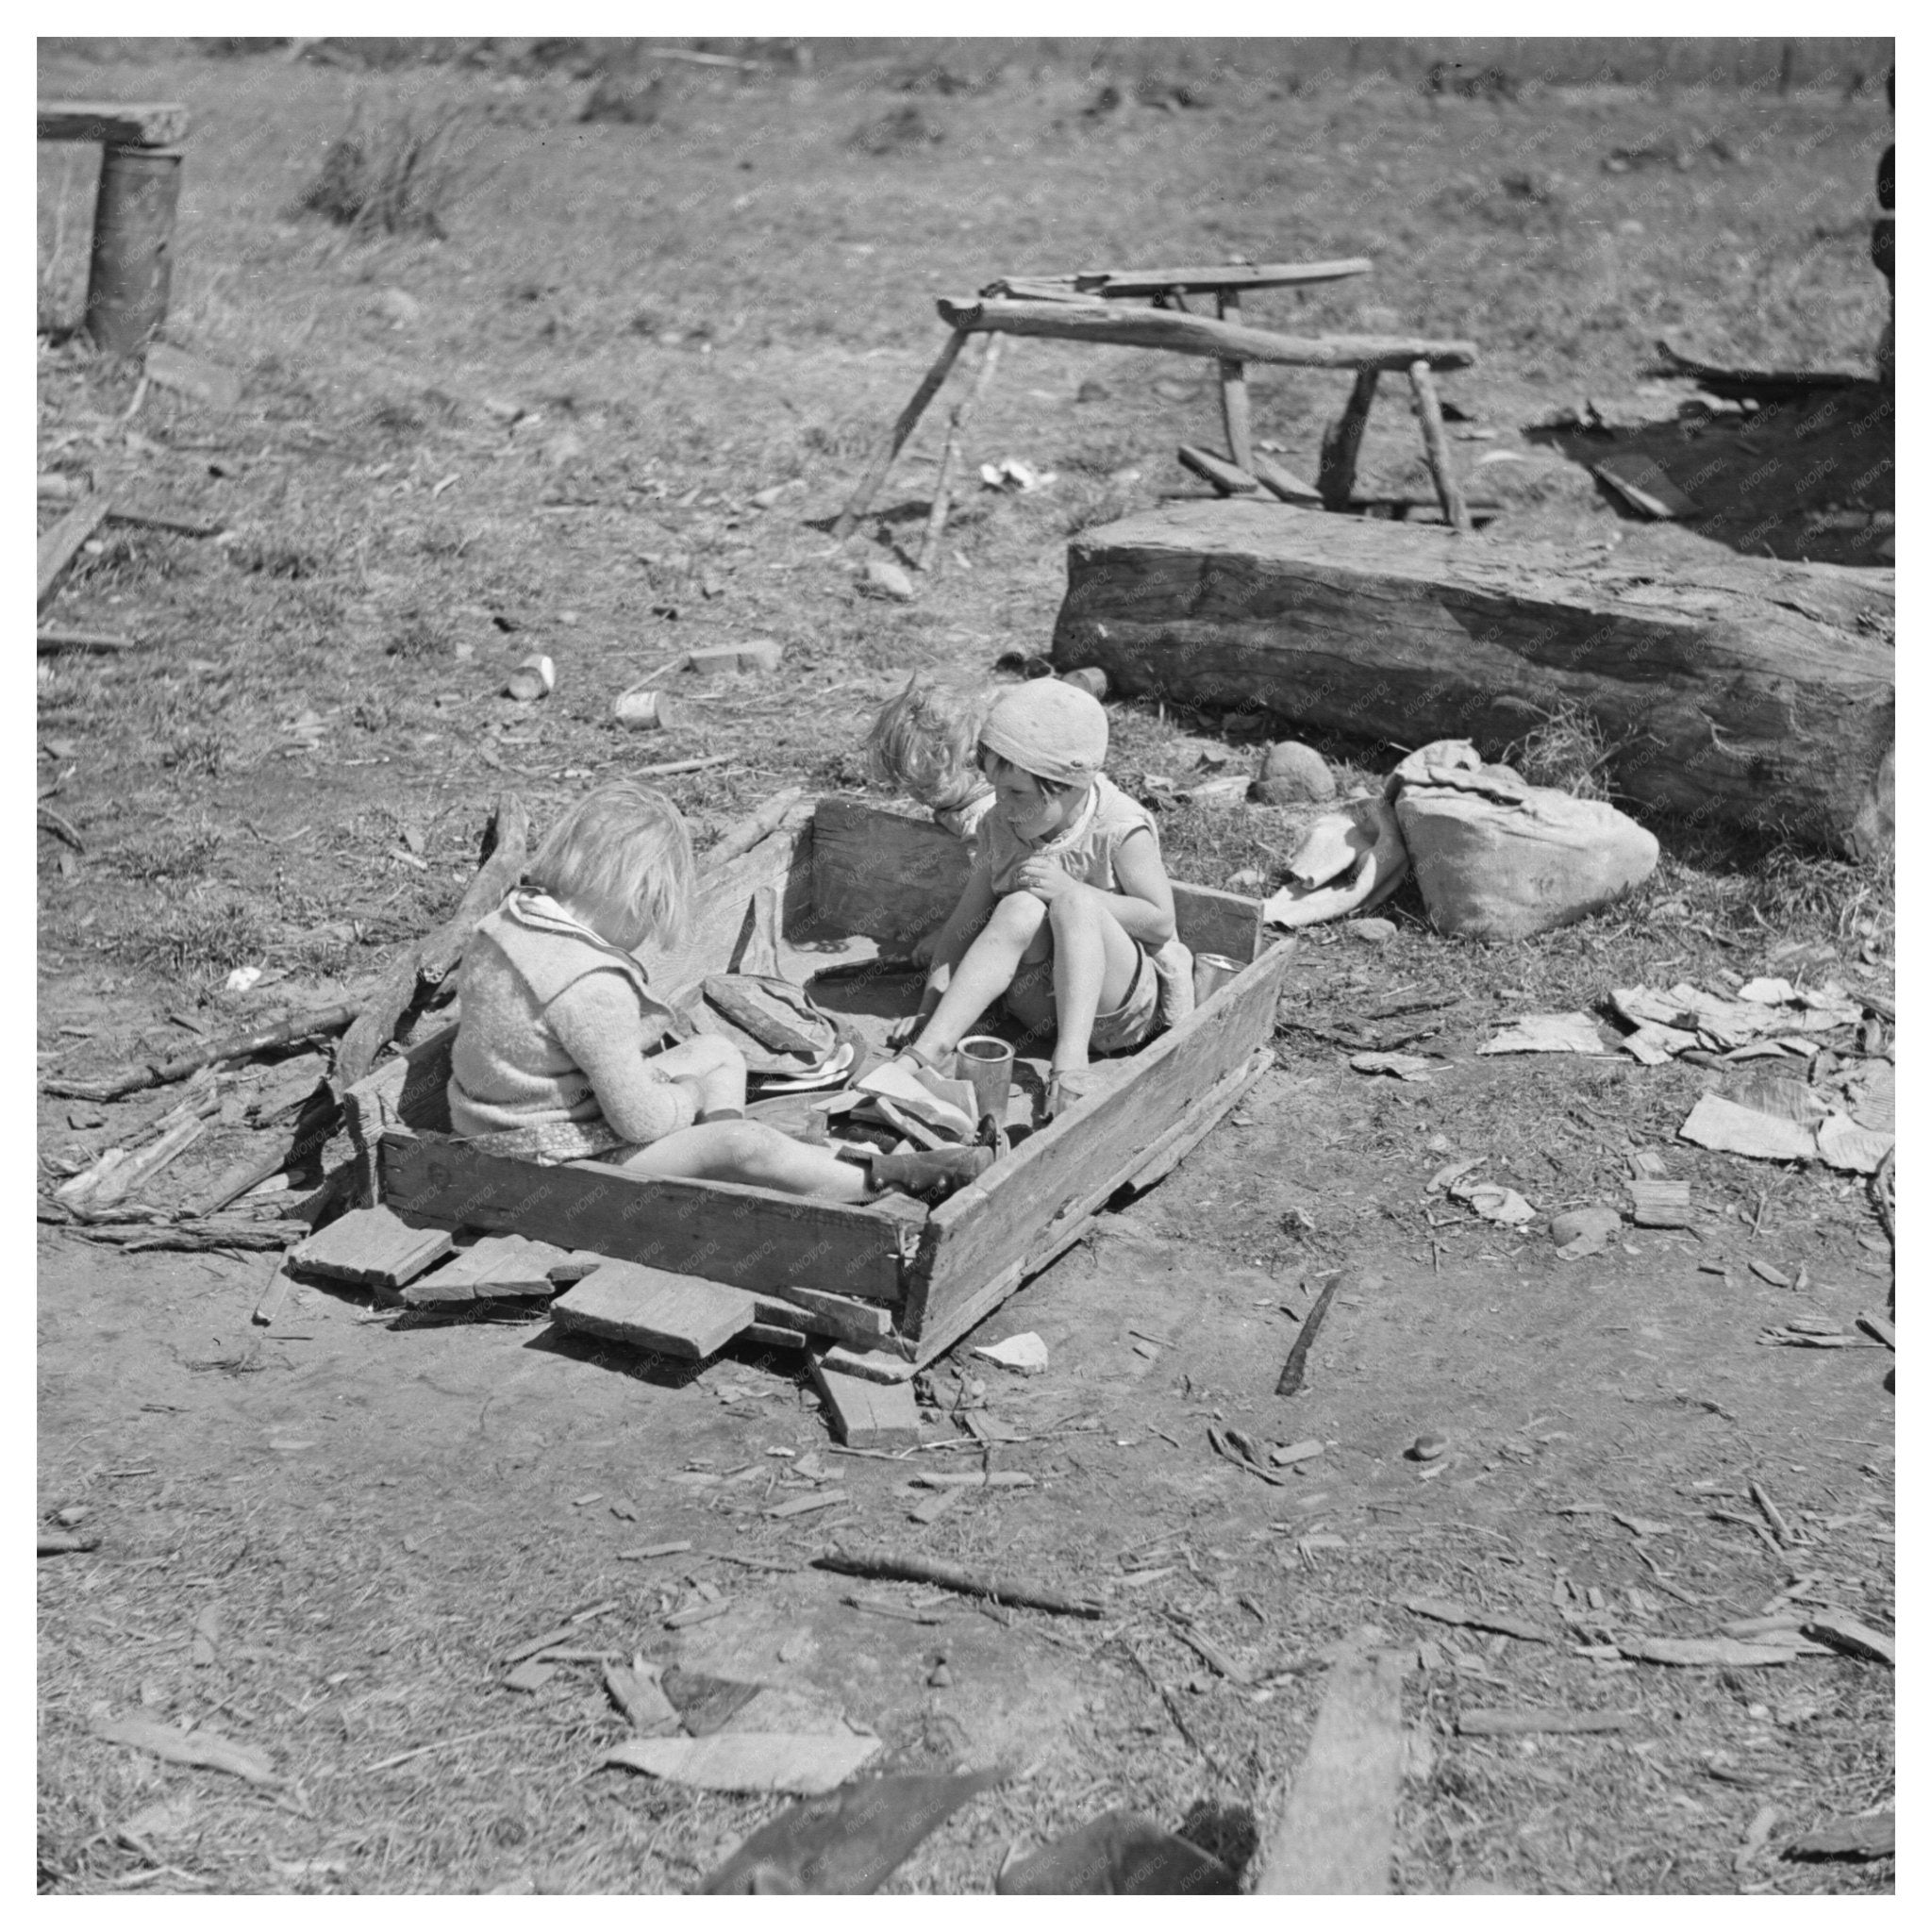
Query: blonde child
pixel 1067 903
pixel 562 1054
pixel 925 743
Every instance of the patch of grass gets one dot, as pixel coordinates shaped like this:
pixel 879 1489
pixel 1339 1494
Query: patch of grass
pixel 168 854
pixel 196 939
pixel 201 752
pixel 421 636
pixel 396 173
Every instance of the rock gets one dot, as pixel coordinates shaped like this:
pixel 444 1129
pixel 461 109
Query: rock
pixel 941 1677
pixel 1293 773
pixel 1585 1224
pixel 1092 680
pixel 887 580
pixel 1371 932
pixel 564 449
pixel 398 307
pixel 1499 859
pixel 534 678
pixel 1091 391
pixel 1427 1448
pixel 1026 1354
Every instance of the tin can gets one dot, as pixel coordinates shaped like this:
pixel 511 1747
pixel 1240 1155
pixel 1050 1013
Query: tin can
pixel 1212 971
pixel 647 710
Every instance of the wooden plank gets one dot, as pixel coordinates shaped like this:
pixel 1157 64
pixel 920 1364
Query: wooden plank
pixel 862 1323
pixel 751 1237
pixel 374 1247
pixel 1283 483
pixel 1212 280
pixel 1336 1834
pixel 497 1266
pixel 1761 693
pixel 122 124
pixel 864 1414
pixel 1198 335
pixel 669 1314
pixel 1147 1166
pixel 55 552
pixel 1228 480
pixel 991 1228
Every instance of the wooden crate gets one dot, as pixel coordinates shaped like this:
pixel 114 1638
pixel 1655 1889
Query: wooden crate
pixel 843 879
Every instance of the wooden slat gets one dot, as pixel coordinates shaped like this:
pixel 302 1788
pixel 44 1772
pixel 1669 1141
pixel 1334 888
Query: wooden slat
pixel 499 1266
pixel 1204 281
pixel 751 1237
pixel 125 124
pixel 1336 1834
pixel 996 1225
pixel 1198 335
pixel 862 1323
pixel 867 1415
pixel 374 1248
pixel 55 553
pixel 669 1314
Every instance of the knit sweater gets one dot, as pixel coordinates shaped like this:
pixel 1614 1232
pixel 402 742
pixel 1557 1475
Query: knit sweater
pixel 551 1058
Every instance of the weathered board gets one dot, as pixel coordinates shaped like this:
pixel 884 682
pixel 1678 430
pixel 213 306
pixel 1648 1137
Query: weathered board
pixel 865 1414
pixel 751 1237
pixel 372 1247
pixel 120 123
pixel 500 1266
pixel 669 1314
pixel 1753 691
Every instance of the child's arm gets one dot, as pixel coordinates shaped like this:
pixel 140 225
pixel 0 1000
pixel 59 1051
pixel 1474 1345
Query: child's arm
pixel 1144 906
pixel 599 1025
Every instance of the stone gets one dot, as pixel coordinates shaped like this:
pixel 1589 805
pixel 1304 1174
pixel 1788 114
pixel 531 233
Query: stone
pixel 1293 773
pixel 399 309
pixel 1371 932
pixel 883 580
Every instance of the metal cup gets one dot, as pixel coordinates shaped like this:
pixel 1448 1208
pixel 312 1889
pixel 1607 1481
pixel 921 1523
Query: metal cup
pixel 987 1065
pixel 1212 971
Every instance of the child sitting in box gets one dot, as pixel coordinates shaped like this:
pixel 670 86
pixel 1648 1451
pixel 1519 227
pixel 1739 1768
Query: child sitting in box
pixel 1067 904
pixel 925 743
pixel 563 1052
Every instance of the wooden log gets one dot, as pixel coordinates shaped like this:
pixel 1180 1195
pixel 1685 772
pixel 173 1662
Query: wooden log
pixel 431 960
pixel 883 458
pixel 120 123
pixel 131 263
pixel 1342 443
pixel 1435 446
pixel 751 830
pixel 1336 1834
pixel 1114 282
pixel 48 641
pixel 930 556
pixel 1229 480
pixel 1198 335
pixel 1234 388
pixel 55 552
pixel 234 1047
pixel 1759 695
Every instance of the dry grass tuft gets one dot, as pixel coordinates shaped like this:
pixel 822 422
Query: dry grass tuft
pixel 396 173
pixel 1567 752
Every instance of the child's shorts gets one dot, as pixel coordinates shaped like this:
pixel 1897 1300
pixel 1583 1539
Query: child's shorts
pixel 1131 1024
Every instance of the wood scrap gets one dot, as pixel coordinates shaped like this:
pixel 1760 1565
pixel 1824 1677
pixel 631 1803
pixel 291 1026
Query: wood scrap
pixel 56 551
pixel 1843 1632
pixel 1295 1367
pixel 865 1414
pixel 1336 1833
pixel 1875 1836
pixel 1657 1202
pixel 879 1607
pixel 310 1026
pixel 637 1690
pixel 817 1311
pixel 272 1296
pixel 49 639
pixel 1442 1611
pixel 371 1247
pixel 190 1237
pixel 803 1765
pixel 322 1115
pixel 66 1542
pixel 1727 1653
pixel 1205 1647
pixel 496 1267
pixel 424 966
pixel 1537 1724
pixel 671 1314
pixel 880 1563
pixel 1228 478
pixel 202 1748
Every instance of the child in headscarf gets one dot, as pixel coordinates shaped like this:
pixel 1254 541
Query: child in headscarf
pixel 1067 905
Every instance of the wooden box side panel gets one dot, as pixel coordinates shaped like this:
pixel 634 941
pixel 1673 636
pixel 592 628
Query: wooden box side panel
pixel 883 874
pixel 746 1236
pixel 987 1231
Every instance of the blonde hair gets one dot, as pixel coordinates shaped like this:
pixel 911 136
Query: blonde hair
pixel 620 858
pixel 925 742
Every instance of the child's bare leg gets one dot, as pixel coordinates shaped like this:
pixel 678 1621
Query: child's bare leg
pixel 750 1152
pixel 1094 967
pixel 716 1065
pixel 985 973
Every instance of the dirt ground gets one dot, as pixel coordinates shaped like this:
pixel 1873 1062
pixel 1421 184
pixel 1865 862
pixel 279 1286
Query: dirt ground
pixel 323 1538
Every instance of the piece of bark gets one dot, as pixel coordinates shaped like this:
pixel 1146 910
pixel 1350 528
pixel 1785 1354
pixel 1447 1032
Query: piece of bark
pixel 650 1307
pixel 425 965
pixel 638 1692
pixel 909 1568
pixel 372 1247
pixel 1501 1622
pixel 1763 696
pixel 1845 1632
pixel 802 1765
pixel 849 1842
pixel 1197 335
pixel 1851 1838
pixel 1708 1652
pixel 185 1747
pixel 1537 1724
pixel 1336 1834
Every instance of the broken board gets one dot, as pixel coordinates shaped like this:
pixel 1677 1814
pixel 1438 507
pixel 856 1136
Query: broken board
pixel 669 1314
pixel 865 1414
pixel 372 1247
pixel 498 1267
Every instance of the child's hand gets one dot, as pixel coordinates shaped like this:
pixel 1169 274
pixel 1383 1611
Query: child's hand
pixel 921 953
pixel 1044 879
pixel 903 1032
